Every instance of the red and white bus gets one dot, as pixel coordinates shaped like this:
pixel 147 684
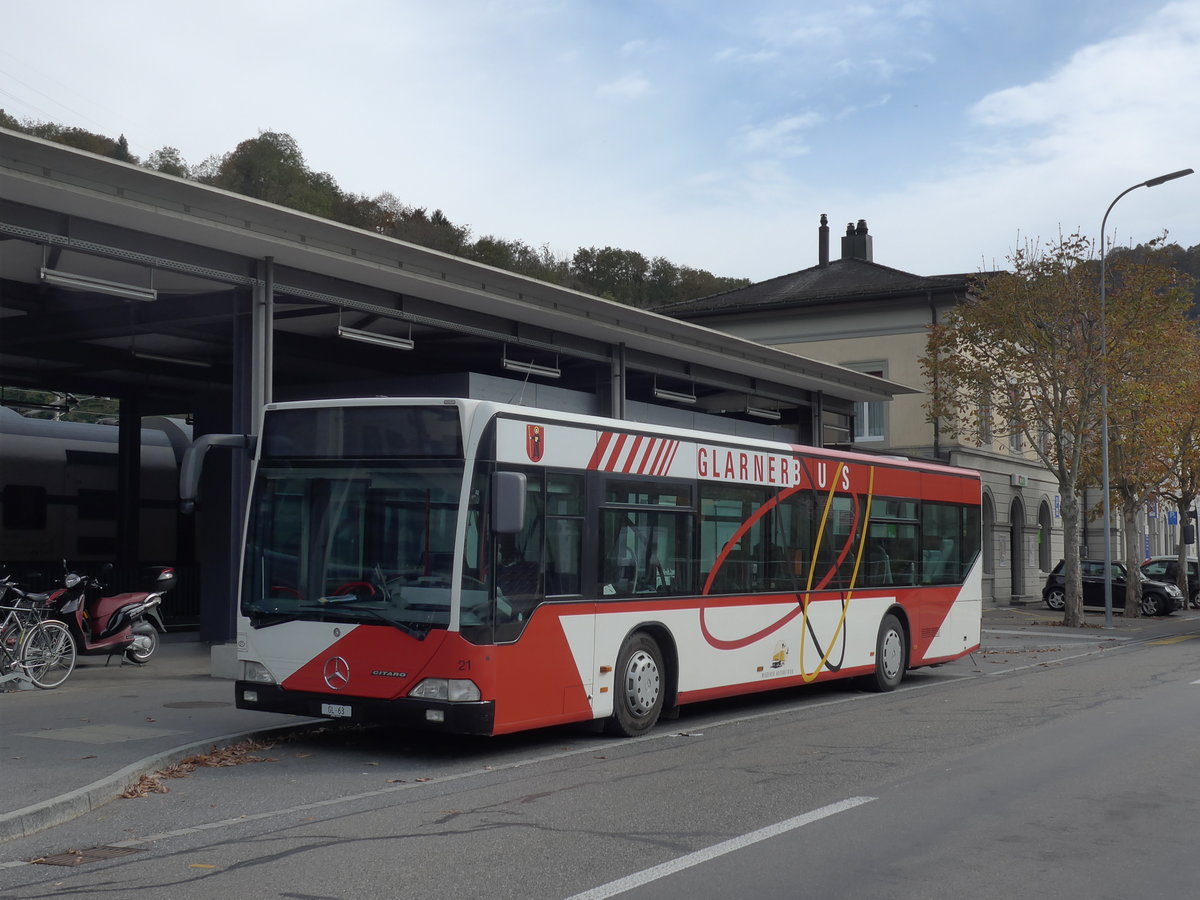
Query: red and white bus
pixel 486 568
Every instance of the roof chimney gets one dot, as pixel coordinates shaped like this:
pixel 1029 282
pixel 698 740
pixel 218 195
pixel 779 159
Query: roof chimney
pixel 823 242
pixel 857 243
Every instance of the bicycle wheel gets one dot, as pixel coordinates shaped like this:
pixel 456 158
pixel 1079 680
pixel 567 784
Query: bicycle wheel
pixel 10 641
pixel 48 654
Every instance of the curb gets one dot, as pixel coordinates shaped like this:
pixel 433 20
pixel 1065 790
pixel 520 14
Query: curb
pixel 65 807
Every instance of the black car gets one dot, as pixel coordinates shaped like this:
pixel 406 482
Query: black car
pixel 1158 597
pixel 1166 568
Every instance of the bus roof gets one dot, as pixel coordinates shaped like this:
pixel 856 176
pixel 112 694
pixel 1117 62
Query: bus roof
pixel 490 409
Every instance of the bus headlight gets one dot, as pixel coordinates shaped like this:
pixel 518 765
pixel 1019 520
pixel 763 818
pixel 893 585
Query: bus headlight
pixel 456 690
pixel 256 671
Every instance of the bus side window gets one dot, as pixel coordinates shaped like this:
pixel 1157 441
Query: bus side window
pixel 519 557
pixel 890 553
pixel 618 553
pixel 740 564
pixel 564 533
pixel 941 562
pixel 645 552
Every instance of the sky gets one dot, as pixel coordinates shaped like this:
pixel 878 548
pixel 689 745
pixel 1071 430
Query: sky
pixel 712 133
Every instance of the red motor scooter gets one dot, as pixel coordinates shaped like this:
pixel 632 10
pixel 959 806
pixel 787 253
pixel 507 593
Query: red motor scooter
pixel 126 623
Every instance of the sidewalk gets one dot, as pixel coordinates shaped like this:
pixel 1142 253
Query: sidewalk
pixel 68 750
pixel 71 749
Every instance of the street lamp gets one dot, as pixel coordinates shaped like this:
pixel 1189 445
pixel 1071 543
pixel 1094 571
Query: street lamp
pixel 1153 182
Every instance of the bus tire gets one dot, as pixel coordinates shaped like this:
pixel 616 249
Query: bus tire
pixel 891 656
pixel 639 687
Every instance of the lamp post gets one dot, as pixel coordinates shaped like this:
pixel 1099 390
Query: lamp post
pixel 1153 182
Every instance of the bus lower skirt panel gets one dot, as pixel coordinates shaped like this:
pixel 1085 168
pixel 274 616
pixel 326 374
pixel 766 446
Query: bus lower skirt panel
pixel 429 715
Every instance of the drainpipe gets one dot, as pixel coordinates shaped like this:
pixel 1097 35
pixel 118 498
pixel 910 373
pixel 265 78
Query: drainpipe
pixel 937 429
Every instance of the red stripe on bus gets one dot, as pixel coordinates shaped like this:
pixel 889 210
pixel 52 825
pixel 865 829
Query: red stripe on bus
pixel 601 445
pixel 651 446
pixel 633 452
pixel 665 467
pixel 663 446
pixel 613 457
pixel 714 641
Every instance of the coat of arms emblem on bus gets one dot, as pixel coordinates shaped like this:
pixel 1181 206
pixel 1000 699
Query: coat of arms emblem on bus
pixel 535 442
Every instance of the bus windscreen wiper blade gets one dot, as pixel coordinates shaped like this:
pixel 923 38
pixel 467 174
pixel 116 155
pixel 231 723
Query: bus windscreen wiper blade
pixel 352 606
pixel 267 619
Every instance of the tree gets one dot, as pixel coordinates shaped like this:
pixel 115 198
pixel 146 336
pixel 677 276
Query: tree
pixel 612 273
pixel 1025 349
pixel 168 160
pixel 272 168
pixel 695 283
pixel 1181 452
pixel 1150 336
pixel 415 225
pixel 121 151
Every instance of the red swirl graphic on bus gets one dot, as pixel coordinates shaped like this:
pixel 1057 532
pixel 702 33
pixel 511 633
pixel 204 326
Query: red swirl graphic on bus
pixel 801 608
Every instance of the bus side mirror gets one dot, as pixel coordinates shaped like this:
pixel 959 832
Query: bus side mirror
pixel 508 502
pixel 193 463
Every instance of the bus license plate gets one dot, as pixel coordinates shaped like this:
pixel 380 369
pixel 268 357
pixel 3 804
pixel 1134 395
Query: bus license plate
pixel 335 711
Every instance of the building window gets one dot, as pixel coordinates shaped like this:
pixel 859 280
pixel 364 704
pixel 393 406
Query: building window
pixel 988 543
pixel 1045 529
pixel 869 422
pixel 1016 437
pixel 985 418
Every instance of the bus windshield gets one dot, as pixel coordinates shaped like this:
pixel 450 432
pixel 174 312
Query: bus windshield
pixel 359 542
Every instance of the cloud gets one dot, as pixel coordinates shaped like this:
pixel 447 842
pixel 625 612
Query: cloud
pixel 628 87
pixel 1110 81
pixel 779 138
pixel 754 57
pixel 641 47
pixel 1049 155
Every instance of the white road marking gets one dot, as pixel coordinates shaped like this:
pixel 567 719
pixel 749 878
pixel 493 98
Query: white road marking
pixel 638 879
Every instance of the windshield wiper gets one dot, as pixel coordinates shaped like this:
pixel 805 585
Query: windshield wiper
pixel 351 605
pixel 266 616
pixel 266 620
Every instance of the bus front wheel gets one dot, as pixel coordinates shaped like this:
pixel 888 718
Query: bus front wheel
pixel 638 691
pixel 891 656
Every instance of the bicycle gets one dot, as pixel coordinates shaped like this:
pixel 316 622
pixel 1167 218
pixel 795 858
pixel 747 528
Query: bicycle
pixel 32 646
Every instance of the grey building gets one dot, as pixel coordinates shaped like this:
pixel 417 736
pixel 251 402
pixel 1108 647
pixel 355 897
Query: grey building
pixel 866 317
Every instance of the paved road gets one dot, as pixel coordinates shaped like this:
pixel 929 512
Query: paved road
pixel 1070 775
pixel 77 747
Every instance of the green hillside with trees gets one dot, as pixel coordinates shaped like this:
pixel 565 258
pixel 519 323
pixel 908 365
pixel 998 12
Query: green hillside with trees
pixel 271 167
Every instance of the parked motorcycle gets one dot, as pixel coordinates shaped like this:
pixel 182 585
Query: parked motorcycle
pixel 127 623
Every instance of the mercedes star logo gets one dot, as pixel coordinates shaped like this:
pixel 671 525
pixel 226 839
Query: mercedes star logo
pixel 337 673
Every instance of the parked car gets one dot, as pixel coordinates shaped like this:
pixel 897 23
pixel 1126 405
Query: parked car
pixel 1158 597
pixel 1166 568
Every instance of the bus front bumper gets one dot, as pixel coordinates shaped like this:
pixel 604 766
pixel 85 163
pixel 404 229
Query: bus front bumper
pixel 431 715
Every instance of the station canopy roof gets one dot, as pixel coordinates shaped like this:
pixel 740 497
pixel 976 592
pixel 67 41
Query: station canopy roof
pixel 116 280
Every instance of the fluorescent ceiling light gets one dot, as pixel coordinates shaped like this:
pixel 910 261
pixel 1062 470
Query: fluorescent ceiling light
pixel 382 340
pixel 675 396
pixel 759 412
pixel 198 363
pixel 531 368
pixel 97 285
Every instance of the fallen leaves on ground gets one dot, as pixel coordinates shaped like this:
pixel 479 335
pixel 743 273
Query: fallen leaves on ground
pixel 217 757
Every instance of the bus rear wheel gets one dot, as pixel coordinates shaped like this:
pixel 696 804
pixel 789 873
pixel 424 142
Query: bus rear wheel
pixel 891 656
pixel 638 691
